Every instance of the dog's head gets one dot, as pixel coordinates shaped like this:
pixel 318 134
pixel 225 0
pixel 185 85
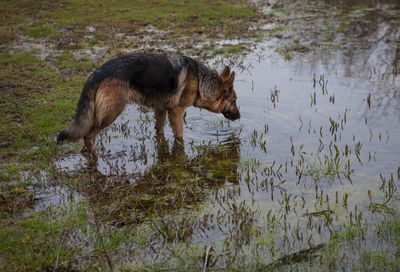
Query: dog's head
pixel 218 95
pixel 228 96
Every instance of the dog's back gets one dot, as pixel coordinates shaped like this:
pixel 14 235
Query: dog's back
pixel 151 75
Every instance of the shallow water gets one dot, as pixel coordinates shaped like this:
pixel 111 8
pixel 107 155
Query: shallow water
pixel 316 135
pixel 294 114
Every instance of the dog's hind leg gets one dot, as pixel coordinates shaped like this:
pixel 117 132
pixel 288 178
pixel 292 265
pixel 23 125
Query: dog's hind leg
pixel 111 98
pixel 89 141
pixel 160 116
pixel 175 116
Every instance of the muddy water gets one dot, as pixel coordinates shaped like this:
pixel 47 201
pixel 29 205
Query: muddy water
pixel 318 141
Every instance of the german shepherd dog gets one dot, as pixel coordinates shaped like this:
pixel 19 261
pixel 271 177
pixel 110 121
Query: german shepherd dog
pixel 165 83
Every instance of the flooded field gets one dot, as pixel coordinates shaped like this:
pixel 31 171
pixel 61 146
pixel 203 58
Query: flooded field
pixel 303 181
pixel 315 152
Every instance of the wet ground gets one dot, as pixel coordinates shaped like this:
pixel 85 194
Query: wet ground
pixel 316 152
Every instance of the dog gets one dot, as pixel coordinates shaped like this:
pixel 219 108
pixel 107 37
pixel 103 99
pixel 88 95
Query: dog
pixel 165 83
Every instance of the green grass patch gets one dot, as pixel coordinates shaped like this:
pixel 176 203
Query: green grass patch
pixel 40 241
pixel 328 167
pixel 47 17
pixel 10 172
pixel 7 35
pixel 343 26
pixel 287 57
pixel 280 10
pixel 35 103
pixel 359 7
pixel 378 261
pixel 328 38
pixel 93 42
pixel 41 31
pixel 396 21
pixel 278 28
pixel 348 249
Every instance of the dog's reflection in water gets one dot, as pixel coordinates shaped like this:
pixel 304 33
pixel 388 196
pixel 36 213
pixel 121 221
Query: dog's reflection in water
pixel 174 181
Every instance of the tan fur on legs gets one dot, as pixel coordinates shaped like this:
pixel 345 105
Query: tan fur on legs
pixel 160 116
pixel 175 116
pixel 89 141
pixel 111 98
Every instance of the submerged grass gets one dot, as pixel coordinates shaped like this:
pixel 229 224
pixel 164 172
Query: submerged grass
pixel 329 167
pixel 356 238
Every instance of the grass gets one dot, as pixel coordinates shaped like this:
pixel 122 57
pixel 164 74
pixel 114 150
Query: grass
pixel 359 7
pixel 287 57
pixel 327 168
pixel 280 10
pixel 384 257
pixel 35 104
pixel 93 42
pixel 373 260
pixel 279 28
pixel 38 241
pixel 35 92
pixel 328 38
pixel 7 35
pixel 48 18
pixel 285 53
pixel 42 31
pixel 344 25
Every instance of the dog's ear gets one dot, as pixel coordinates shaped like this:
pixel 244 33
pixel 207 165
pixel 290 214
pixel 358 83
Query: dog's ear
pixel 228 82
pixel 231 79
pixel 225 73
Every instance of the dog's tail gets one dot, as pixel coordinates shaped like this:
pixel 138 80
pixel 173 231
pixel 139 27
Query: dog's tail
pixel 85 115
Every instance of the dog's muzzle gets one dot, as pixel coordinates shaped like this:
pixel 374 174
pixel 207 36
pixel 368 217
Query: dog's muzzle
pixel 231 115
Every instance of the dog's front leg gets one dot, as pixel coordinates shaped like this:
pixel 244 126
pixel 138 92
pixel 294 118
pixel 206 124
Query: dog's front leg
pixel 175 116
pixel 160 116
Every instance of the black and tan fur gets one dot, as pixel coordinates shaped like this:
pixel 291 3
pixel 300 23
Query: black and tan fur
pixel 166 83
